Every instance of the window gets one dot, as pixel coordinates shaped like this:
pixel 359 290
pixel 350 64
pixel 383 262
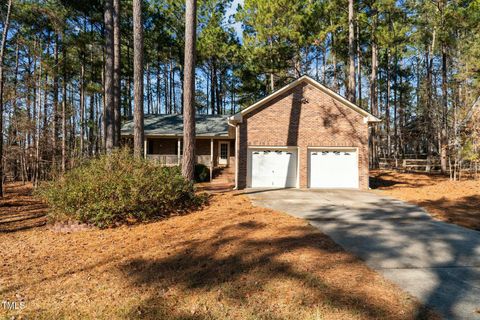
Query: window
pixel 150 146
pixel 223 151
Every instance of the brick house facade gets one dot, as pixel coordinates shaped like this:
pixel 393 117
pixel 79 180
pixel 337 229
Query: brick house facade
pixel 303 135
pixel 301 116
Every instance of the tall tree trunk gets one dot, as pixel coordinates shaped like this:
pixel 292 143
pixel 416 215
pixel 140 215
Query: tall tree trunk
pixel 218 85
pixel 188 165
pixel 91 126
pixel 429 125
pixel 82 107
pixel 35 89
pixel 174 92
pixel 149 89
pixel 55 104
pixel 109 77
pixel 387 104
pixel 213 84
pixel 373 92
pixel 324 63
pixel 138 134
pixel 401 115
pixel 359 65
pixel 444 126
pixel 64 107
pixel 334 62
pixel 116 73
pixel 129 83
pixel 6 26
pixel 395 104
pixel 351 53
pixel 158 84
pixel 165 87
pixel 15 116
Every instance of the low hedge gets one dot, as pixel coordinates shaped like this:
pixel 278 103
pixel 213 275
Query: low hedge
pixel 119 188
pixel 202 173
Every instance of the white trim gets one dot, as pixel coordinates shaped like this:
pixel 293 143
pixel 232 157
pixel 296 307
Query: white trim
pixel 211 159
pixel 309 149
pixel 249 161
pixel 273 147
pixel 237 148
pixel 333 148
pixel 145 147
pixel 238 117
pixel 179 150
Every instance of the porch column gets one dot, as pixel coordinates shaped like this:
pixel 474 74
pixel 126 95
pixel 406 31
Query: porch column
pixel 145 147
pixel 179 146
pixel 211 159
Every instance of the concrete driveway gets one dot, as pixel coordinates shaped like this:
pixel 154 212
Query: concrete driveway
pixel 439 263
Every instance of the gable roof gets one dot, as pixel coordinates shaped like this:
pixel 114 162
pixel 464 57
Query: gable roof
pixel 172 125
pixel 305 79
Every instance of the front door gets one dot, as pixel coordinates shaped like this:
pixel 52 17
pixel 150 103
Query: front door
pixel 223 153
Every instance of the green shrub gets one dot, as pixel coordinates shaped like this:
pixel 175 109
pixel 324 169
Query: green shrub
pixel 202 173
pixel 117 188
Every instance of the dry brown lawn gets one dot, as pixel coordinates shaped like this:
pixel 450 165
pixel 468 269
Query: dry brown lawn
pixel 228 261
pixel 19 210
pixel 456 202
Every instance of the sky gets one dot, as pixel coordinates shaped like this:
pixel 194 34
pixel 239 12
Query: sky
pixel 231 11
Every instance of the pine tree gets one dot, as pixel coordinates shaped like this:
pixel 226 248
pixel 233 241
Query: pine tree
pixel 188 164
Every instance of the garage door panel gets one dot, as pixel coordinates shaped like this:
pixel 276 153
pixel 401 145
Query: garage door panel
pixel 273 168
pixel 333 169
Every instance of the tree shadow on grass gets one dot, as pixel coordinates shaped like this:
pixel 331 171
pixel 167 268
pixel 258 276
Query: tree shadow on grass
pixel 241 273
pixel 464 211
pixel 19 210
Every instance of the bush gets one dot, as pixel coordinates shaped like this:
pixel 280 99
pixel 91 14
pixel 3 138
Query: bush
pixel 202 173
pixel 117 188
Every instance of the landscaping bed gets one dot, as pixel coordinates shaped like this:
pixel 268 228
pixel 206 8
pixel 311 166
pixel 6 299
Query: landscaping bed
pixel 229 260
pixel 456 202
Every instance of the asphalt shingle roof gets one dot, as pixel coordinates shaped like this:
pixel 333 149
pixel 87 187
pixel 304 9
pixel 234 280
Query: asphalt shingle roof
pixel 172 125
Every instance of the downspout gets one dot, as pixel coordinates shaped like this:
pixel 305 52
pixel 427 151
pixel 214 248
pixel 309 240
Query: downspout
pixel 237 148
pixel 234 121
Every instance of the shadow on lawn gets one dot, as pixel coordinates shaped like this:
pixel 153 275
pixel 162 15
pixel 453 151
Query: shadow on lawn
pixel 378 182
pixel 242 279
pixel 464 211
pixel 19 211
pixel 381 179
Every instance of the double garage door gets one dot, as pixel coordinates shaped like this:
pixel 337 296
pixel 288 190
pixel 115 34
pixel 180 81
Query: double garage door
pixel 327 168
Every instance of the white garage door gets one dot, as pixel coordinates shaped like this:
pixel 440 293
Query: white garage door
pixel 273 168
pixel 333 168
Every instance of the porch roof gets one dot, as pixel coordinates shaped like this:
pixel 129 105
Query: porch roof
pixel 172 125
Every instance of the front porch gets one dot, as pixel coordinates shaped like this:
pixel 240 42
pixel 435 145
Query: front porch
pixel 213 153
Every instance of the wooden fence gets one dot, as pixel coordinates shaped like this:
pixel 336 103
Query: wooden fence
pixel 432 165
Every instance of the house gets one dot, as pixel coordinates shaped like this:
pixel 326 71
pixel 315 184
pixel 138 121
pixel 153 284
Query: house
pixel 302 136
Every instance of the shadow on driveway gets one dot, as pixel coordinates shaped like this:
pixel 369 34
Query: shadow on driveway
pixel 437 262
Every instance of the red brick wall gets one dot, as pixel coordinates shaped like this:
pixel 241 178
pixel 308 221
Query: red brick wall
pixel 305 117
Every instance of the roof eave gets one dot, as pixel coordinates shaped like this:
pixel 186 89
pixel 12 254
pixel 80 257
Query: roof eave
pixel 333 94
